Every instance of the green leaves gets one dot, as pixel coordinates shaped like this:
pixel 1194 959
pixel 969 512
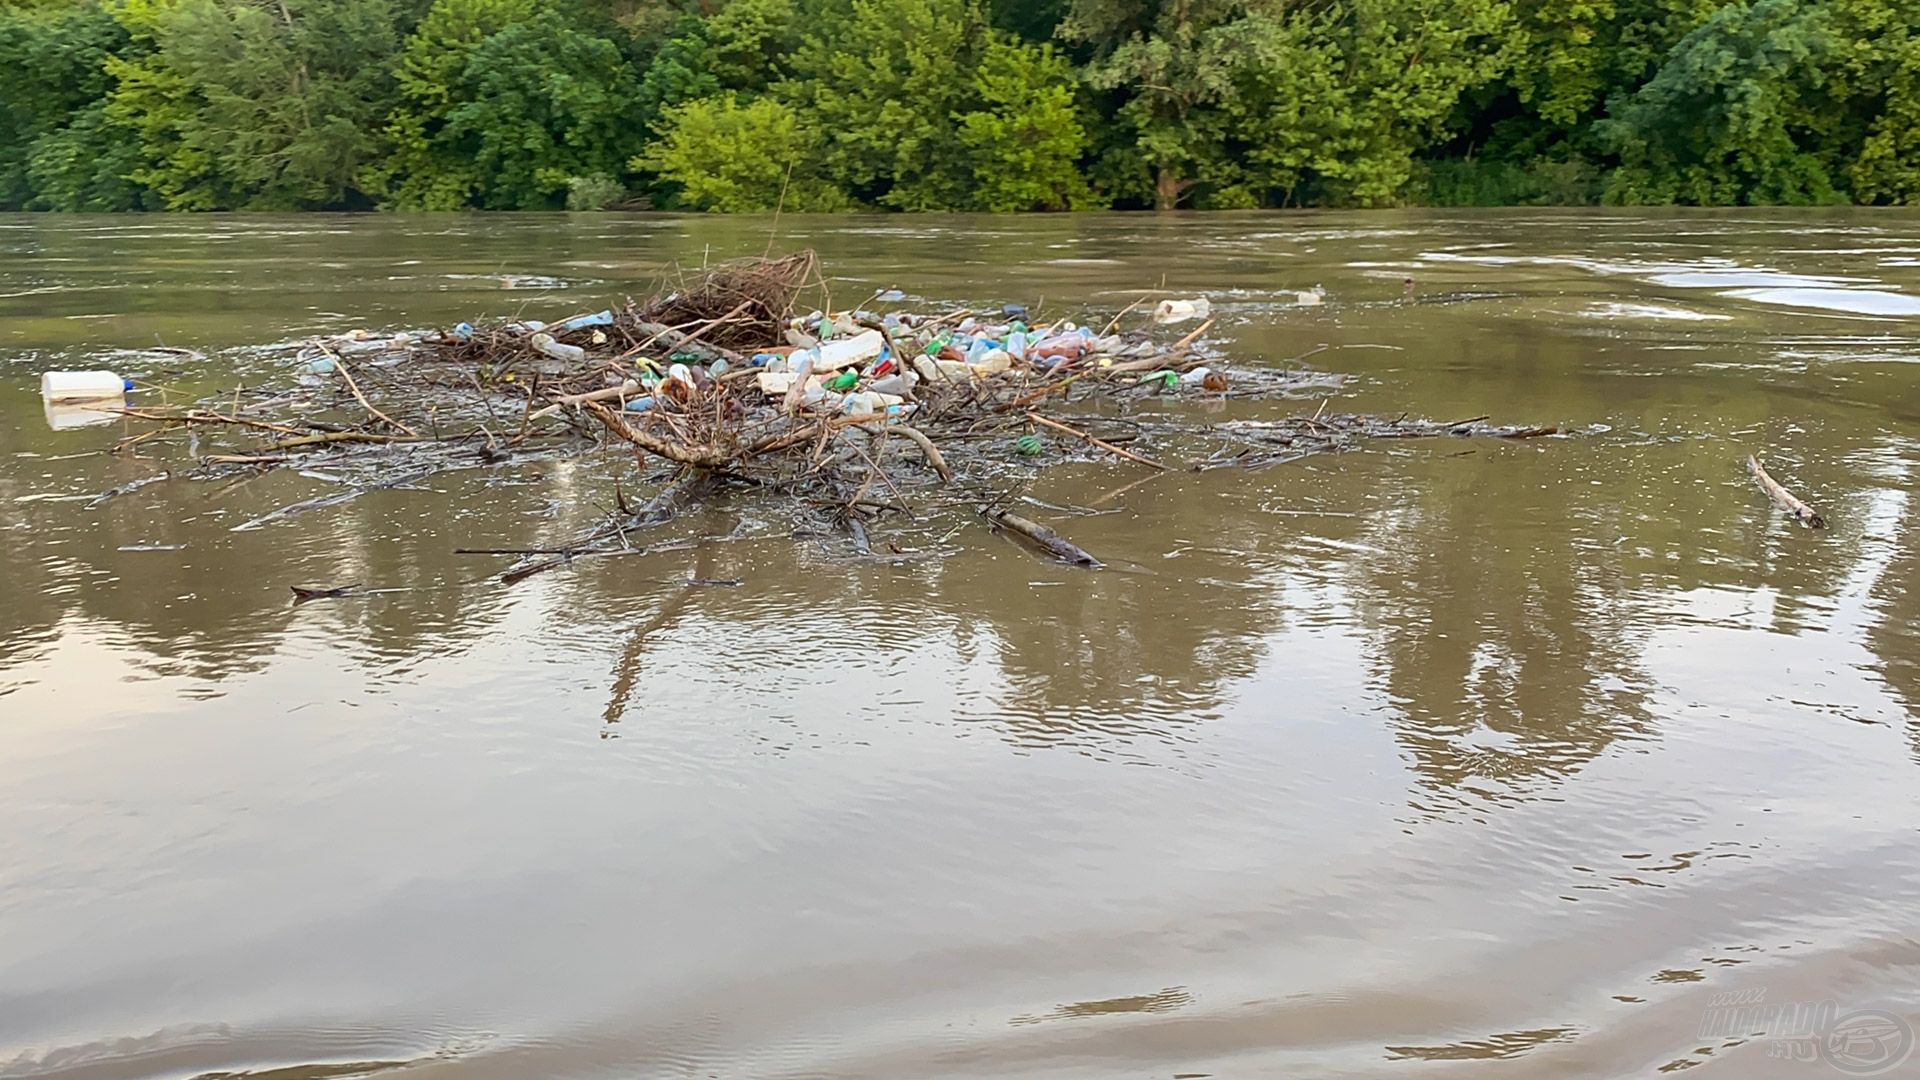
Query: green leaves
pixel 906 104
pixel 250 107
pixel 953 104
pixel 1024 136
pixel 55 62
pixel 536 104
pixel 1238 102
pixel 1736 114
pixel 503 104
pixel 731 155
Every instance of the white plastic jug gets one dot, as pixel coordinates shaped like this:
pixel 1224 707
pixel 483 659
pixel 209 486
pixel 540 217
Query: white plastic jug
pixel 835 355
pixel 570 354
pixel 57 387
pixel 1179 311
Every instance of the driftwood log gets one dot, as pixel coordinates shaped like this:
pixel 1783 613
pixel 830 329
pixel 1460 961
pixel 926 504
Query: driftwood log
pixel 1783 498
pixel 1042 537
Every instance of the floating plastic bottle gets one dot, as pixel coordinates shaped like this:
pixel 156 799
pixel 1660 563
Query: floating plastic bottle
pixel 862 404
pixel 58 387
pixel 992 362
pixel 581 322
pixel 641 404
pixel 898 384
pixel 1016 346
pixel 545 345
pixel 1178 311
pixel 846 380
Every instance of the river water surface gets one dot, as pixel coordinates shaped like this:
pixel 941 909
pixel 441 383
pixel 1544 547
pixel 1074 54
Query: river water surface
pixel 1437 759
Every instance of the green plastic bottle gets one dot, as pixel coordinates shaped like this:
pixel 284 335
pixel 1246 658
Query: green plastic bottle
pixel 846 380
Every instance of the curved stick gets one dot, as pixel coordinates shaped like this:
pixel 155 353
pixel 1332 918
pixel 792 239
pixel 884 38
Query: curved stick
pixel 1784 498
pixel 934 457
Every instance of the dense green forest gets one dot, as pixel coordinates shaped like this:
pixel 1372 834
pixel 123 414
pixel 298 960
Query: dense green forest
pixel 999 105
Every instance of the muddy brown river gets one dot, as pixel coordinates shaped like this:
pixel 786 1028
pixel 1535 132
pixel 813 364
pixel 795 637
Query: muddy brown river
pixel 1563 757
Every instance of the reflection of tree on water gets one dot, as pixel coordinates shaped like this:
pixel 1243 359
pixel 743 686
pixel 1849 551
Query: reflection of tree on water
pixel 1510 662
pixel 1093 660
pixel 210 604
pixel 1893 632
pixel 1895 638
pixel 1098 659
pixel 630 666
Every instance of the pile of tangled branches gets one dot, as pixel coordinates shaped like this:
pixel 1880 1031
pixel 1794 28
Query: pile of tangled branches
pixel 721 377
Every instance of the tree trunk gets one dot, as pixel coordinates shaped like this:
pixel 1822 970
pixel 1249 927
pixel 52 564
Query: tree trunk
pixel 1167 189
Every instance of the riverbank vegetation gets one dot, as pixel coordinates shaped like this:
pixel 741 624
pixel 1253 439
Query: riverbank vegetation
pixel 990 105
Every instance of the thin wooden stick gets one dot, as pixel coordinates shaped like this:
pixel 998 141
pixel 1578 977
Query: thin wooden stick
pixel 934 457
pixel 245 459
pixel 1144 297
pixel 340 364
pixel 884 478
pixel 1124 488
pixel 1102 444
pixel 679 340
pixel 1190 338
pixel 1784 498
pixel 196 416
pixel 624 389
pixel 331 437
pixel 1059 384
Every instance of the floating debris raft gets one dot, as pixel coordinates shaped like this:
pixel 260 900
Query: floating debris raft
pixel 849 413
